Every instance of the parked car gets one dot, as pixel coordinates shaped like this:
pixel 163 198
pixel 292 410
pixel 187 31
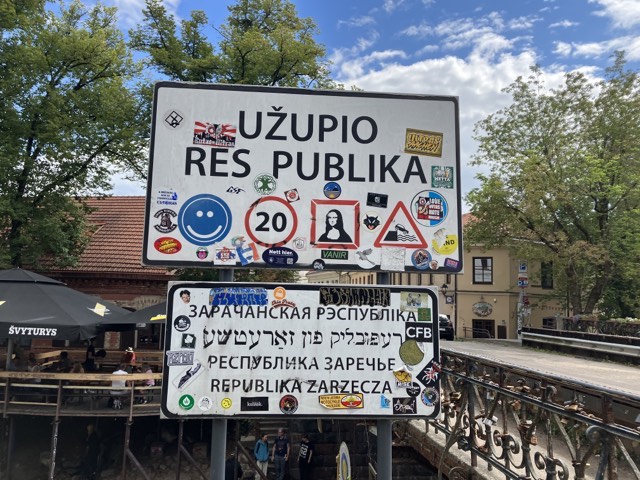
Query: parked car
pixel 446 327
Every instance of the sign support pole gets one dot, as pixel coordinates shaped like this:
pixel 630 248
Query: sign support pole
pixel 383 426
pixel 219 426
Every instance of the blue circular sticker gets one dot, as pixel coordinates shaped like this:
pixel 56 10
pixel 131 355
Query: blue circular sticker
pixel 332 190
pixel 429 396
pixel 420 259
pixel 429 208
pixel 204 219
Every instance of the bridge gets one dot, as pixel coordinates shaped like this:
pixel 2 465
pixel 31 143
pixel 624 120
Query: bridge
pixel 508 412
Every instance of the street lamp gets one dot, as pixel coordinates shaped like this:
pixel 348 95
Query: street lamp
pixel 444 289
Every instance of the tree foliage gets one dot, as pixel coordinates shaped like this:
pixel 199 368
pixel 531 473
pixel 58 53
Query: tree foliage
pixel 68 121
pixel 263 42
pixel 562 184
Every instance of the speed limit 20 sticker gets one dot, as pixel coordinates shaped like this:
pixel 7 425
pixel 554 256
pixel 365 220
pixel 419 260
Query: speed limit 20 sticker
pixel 271 222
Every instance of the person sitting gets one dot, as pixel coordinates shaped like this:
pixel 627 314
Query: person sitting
pixel 77 368
pixel 119 387
pixel 34 367
pixel 129 357
pixel 98 359
pixel 63 365
pixel 149 382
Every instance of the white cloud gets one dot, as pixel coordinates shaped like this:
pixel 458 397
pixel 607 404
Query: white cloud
pixel 476 80
pixel 130 11
pixel 630 44
pixel 522 23
pixel 427 49
pixel 563 49
pixel 484 34
pixel 564 24
pixel 420 31
pixel 623 13
pixel 391 5
pixel 357 22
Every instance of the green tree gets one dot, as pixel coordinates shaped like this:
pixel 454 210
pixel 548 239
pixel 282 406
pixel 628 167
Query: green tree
pixel 68 121
pixel 562 183
pixel 263 42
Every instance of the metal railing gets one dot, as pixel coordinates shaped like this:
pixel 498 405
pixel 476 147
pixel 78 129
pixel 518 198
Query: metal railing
pixel 476 332
pixel 529 425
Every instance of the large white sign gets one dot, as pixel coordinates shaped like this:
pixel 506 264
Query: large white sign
pixel 252 349
pixel 291 178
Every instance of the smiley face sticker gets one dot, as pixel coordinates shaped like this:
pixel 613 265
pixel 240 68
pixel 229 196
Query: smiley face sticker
pixel 204 219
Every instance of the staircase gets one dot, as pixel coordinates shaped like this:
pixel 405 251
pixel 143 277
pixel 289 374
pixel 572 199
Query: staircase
pixel 407 463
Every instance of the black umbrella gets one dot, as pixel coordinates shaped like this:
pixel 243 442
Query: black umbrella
pixel 154 313
pixel 35 306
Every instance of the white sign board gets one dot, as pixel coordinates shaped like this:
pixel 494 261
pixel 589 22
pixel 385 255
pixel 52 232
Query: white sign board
pixel 291 178
pixel 252 349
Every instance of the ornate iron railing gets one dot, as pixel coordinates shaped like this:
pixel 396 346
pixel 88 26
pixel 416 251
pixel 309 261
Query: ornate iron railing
pixel 530 425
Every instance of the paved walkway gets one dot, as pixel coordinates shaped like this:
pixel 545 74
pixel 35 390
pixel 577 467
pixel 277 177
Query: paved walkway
pixel 615 376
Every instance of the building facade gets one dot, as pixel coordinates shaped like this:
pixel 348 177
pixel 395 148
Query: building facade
pixel 493 298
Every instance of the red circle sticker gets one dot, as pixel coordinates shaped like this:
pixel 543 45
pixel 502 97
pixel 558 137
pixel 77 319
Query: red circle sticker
pixel 271 222
pixel 167 245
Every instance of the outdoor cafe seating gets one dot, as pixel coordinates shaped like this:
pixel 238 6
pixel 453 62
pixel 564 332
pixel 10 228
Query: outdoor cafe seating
pixel 48 392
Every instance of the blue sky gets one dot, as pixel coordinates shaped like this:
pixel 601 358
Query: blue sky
pixel 470 49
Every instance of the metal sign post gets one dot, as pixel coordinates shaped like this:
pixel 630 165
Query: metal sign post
pixel 265 177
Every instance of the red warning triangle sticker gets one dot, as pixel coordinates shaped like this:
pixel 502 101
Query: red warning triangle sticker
pixel 400 230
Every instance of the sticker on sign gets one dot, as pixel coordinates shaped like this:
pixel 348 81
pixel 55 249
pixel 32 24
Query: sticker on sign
pixel 290 164
pixel 293 349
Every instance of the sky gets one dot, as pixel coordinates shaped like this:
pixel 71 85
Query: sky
pixel 465 48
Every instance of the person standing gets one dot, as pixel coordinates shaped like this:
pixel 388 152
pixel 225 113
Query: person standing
pixel 280 453
pixel 232 468
pixel 304 457
pixel 261 454
pixel 90 357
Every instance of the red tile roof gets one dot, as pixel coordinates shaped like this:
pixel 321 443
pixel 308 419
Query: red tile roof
pixel 116 244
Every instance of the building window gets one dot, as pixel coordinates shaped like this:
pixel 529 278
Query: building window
pixel 482 270
pixel 546 274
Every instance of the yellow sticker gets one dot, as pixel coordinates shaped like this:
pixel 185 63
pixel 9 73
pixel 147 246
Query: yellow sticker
pixel 342 401
pixel 447 247
pixel 402 376
pixel 422 142
pixel 226 403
